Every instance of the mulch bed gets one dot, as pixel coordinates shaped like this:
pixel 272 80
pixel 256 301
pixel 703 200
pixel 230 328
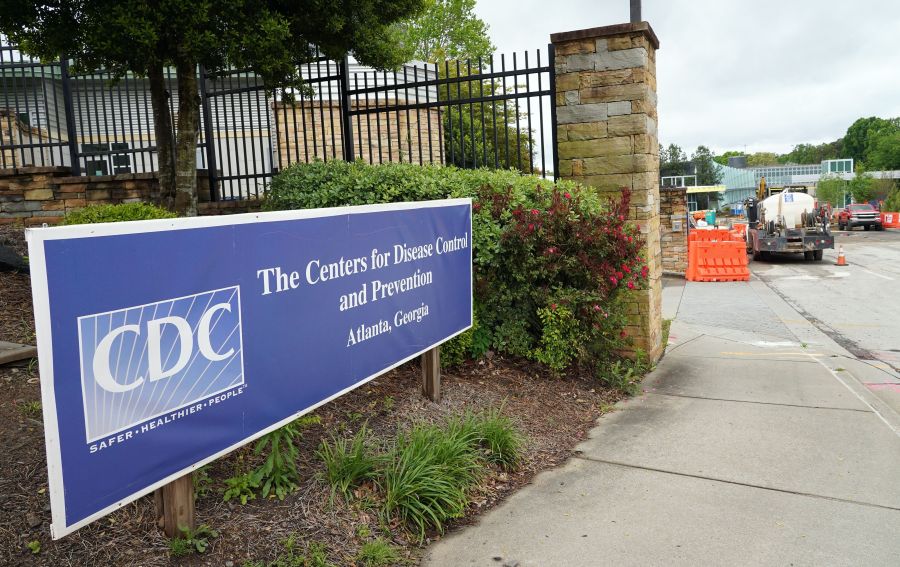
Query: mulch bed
pixel 553 413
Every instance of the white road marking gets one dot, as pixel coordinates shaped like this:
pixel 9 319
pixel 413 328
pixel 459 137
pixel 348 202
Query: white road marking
pixel 877 275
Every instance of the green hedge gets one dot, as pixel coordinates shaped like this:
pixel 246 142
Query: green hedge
pixel 549 258
pixel 117 213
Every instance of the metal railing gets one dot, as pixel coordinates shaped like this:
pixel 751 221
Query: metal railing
pixel 496 113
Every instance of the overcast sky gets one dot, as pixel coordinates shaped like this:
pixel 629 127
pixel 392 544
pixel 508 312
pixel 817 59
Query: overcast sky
pixel 734 74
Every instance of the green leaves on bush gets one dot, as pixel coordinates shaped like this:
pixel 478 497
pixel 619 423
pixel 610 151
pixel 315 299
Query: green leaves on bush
pixel 117 213
pixel 425 475
pixel 536 243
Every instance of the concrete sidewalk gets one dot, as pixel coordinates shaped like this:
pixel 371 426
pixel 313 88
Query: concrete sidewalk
pixel 750 446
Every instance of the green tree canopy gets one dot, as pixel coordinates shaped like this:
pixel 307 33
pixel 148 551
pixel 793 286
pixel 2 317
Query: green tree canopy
pixel 760 159
pixel 831 189
pixel 673 161
pixel 146 37
pixel 723 159
pixel 862 186
pixel 705 167
pixel 885 151
pixel 448 29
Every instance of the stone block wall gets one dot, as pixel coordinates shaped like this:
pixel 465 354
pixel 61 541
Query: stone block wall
pixel 37 195
pixel 673 229
pixel 607 138
pixel 313 131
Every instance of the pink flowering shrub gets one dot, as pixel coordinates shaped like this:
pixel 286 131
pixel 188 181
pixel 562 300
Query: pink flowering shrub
pixel 553 291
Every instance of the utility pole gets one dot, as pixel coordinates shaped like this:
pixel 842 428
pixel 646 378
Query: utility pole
pixel 635 11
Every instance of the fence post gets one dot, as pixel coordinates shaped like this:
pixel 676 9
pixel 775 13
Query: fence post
pixel 175 505
pixel 431 374
pixel 346 123
pixel 70 115
pixel 605 99
pixel 551 56
pixel 208 138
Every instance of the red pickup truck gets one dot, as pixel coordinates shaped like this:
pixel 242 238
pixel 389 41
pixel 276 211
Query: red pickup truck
pixel 863 215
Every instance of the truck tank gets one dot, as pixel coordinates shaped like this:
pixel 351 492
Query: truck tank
pixel 789 206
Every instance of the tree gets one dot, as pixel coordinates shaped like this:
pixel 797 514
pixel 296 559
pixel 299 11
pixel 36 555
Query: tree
pixel 448 29
pixel 760 159
pixel 885 151
pixel 862 186
pixel 484 134
pixel 723 159
pixel 831 189
pixel 862 135
pixel 673 161
pixel 811 154
pixel 705 167
pixel 145 38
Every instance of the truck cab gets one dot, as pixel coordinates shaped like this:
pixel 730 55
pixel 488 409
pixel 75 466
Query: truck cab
pixel 859 214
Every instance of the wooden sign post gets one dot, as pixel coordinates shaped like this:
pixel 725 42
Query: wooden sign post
pixel 175 506
pixel 431 374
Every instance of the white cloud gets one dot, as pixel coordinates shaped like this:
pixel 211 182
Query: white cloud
pixel 765 74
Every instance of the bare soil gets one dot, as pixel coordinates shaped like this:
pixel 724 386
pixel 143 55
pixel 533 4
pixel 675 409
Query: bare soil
pixel 553 414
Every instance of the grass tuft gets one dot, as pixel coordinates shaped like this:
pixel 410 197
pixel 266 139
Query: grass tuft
pixel 347 462
pixel 378 553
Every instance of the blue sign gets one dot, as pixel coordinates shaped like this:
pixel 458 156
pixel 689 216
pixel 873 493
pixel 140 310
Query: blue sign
pixel 166 344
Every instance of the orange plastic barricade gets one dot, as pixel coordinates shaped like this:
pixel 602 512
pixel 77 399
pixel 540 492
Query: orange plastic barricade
pixel 890 220
pixel 716 256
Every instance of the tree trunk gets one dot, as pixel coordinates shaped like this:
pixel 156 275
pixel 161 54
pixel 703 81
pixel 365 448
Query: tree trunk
pixel 162 127
pixel 186 140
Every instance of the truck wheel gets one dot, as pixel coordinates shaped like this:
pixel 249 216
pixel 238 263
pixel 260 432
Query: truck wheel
pixel 817 255
pixel 760 255
pixel 840 225
pixel 867 227
pixel 808 255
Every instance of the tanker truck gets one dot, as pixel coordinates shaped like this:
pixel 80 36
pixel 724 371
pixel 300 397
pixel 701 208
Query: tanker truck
pixel 787 222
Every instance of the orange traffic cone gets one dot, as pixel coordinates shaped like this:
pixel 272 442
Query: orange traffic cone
pixel 841 260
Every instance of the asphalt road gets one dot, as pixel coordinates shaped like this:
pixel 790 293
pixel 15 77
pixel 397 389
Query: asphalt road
pixel 858 306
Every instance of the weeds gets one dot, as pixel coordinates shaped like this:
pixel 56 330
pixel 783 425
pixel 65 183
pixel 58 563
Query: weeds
pixel 31 409
pixel 241 487
pixel 202 482
pixel 34 546
pixel 278 474
pixel 625 374
pixel 316 555
pixel 378 553
pixel 192 541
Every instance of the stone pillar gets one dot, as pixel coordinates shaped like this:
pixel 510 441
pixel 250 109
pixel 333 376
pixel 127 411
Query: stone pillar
pixel 607 138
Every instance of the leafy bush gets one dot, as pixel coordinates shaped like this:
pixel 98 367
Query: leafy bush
pixel 536 245
pixel 117 213
pixel 892 203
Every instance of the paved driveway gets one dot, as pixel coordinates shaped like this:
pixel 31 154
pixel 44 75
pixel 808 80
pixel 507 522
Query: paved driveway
pixel 858 306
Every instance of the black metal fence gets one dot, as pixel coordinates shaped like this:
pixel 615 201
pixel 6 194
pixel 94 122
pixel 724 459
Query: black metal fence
pixel 495 113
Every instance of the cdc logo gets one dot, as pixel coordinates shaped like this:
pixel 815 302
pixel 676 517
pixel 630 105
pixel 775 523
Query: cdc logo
pixel 142 362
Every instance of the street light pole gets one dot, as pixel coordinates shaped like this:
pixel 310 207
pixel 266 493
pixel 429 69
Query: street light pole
pixel 635 11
